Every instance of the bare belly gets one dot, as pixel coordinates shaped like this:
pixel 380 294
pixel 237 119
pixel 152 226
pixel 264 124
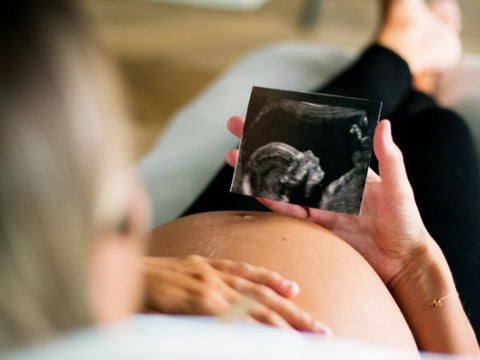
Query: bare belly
pixel 337 285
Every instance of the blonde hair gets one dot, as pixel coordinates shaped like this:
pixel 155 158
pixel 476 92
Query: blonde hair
pixel 63 144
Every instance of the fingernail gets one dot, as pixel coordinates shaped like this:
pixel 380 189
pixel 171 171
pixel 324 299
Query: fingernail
pixel 290 287
pixel 322 329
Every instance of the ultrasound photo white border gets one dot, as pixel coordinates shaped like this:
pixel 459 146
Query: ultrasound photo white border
pixel 306 148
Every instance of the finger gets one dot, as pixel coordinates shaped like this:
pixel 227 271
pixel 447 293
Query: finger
pixel 264 315
pixel 287 310
pixel 165 296
pixel 239 306
pixel 390 158
pixel 235 125
pixel 324 218
pixel 257 275
pixel 296 211
pixel 232 157
pixel 244 307
pixel 372 176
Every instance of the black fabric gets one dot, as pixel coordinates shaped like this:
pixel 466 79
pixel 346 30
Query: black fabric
pixel 378 74
pixel 217 196
pixel 443 169
pixel 439 155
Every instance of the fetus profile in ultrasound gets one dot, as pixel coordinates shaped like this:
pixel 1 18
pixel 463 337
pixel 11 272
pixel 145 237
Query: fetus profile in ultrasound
pixel 281 172
pixel 307 149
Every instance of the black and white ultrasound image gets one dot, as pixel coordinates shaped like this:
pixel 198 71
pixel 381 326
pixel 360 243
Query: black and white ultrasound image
pixel 308 149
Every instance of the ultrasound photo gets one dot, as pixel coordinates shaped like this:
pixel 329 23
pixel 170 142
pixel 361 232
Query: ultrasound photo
pixel 308 149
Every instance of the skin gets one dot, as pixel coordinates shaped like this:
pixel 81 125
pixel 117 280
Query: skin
pixel 195 285
pixel 427 40
pixel 448 12
pixel 189 285
pixel 387 247
pixel 115 278
pixel 391 236
pixel 337 284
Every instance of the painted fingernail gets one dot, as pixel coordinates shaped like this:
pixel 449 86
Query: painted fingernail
pixel 290 287
pixel 322 329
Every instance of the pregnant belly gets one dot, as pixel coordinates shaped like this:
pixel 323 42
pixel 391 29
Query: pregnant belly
pixel 337 285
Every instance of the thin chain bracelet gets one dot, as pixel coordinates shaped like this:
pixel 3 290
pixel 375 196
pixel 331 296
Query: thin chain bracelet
pixel 435 303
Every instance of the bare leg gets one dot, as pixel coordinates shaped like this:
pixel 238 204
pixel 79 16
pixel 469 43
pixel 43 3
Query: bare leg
pixel 415 32
pixel 449 13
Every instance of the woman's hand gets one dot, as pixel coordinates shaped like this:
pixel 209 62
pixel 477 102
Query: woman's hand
pixel 200 286
pixel 389 232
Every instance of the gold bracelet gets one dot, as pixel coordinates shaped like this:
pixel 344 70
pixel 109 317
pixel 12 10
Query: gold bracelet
pixel 435 303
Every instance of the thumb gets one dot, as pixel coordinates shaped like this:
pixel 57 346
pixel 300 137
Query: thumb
pixel 390 158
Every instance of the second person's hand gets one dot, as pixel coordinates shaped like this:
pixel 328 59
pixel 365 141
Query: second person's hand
pixel 199 286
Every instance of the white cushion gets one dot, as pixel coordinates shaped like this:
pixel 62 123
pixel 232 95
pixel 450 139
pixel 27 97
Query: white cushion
pixel 194 338
pixel 192 149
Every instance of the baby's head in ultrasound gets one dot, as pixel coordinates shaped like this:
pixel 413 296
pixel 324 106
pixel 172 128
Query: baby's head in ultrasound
pixel 281 172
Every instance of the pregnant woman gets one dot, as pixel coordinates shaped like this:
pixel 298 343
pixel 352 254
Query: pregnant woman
pixel 380 277
pixel 72 215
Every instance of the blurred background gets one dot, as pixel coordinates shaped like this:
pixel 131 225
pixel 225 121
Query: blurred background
pixel 169 52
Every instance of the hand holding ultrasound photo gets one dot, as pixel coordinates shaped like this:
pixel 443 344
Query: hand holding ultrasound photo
pixel 307 149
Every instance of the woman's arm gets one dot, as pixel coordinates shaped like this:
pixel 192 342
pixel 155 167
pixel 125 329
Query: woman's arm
pixel 426 294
